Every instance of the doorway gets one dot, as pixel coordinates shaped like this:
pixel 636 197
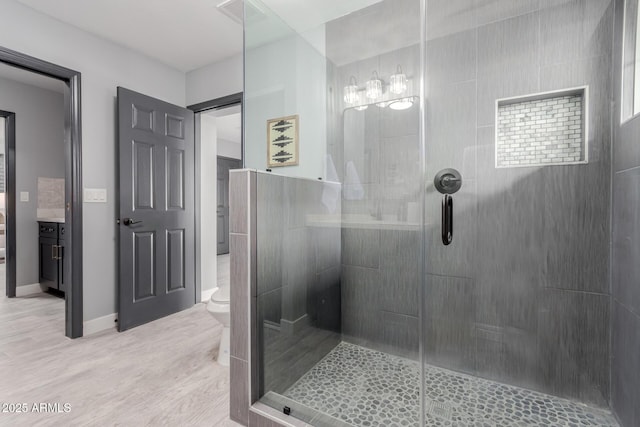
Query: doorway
pixel 159 197
pixel 7 189
pixel 224 164
pixel 219 148
pixel 69 258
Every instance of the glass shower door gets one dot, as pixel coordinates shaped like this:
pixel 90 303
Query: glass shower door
pixel 339 259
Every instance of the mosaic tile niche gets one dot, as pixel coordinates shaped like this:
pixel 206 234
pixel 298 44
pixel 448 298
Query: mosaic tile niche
pixel 540 130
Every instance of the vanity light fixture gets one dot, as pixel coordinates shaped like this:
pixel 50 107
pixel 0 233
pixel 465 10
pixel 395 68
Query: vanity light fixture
pixel 398 82
pixel 351 91
pixel 374 87
pixel 401 104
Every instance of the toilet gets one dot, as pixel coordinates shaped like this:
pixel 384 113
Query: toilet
pixel 219 308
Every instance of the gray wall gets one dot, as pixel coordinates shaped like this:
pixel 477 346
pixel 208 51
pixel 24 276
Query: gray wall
pixel 522 295
pixel 39 152
pixel 298 275
pixel 277 88
pixel 625 367
pixel 101 64
pixel 215 80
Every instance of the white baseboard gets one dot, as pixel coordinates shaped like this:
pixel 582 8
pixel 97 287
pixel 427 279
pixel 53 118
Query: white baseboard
pixel 100 324
pixel 23 291
pixel 206 294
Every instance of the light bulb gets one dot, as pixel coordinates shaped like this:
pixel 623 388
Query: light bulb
pixel 351 94
pixel 374 87
pixel 350 91
pixel 398 82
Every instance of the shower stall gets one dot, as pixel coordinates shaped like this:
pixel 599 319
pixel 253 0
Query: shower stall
pixel 429 212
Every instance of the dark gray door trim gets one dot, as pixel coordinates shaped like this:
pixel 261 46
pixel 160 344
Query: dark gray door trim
pixel 214 104
pixel 229 158
pixel 10 200
pixel 222 102
pixel 73 179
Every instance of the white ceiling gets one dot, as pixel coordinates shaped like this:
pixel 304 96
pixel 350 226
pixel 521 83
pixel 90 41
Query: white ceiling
pixel 185 34
pixel 303 15
pixel 30 78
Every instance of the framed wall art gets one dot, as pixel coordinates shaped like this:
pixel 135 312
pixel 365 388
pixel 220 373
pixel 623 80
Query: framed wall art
pixel 282 141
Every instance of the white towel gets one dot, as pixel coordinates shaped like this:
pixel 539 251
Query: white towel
pixel 330 172
pixel 331 190
pixel 352 187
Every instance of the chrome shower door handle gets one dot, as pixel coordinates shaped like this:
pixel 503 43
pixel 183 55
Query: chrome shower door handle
pixel 447 219
pixel 447 182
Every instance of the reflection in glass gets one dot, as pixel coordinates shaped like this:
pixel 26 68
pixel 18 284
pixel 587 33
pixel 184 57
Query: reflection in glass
pixel 351 91
pixel 331 322
pixel 401 104
pixel 636 84
pixel 374 87
pixel 398 82
pixel 631 60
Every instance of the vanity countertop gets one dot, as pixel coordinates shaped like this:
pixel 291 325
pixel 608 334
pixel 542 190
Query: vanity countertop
pixel 359 221
pixel 58 220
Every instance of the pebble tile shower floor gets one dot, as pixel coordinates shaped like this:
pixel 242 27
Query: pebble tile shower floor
pixel 368 388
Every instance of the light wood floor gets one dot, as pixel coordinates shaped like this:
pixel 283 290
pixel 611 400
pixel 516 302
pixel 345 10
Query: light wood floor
pixel 161 373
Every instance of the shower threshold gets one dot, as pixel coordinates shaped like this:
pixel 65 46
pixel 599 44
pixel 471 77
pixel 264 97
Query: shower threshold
pixel 363 387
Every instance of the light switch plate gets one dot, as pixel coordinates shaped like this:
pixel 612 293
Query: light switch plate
pixel 95 195
pixel 24 196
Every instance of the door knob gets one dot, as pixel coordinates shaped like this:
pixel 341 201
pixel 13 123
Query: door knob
pixel 130 221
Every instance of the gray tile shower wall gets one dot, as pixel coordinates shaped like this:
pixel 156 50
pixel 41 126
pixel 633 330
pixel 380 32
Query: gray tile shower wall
pixel 524 285
pixel 285 284
pixel 625 369
pixel 242 290
pixel 380 241
pixel 298 275
pixel 525 239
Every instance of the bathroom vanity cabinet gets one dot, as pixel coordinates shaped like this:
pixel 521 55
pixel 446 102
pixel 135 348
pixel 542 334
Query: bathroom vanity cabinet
pixel 51 251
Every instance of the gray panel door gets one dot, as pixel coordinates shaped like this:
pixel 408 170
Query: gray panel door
pixel 222 217
pixel 157 267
